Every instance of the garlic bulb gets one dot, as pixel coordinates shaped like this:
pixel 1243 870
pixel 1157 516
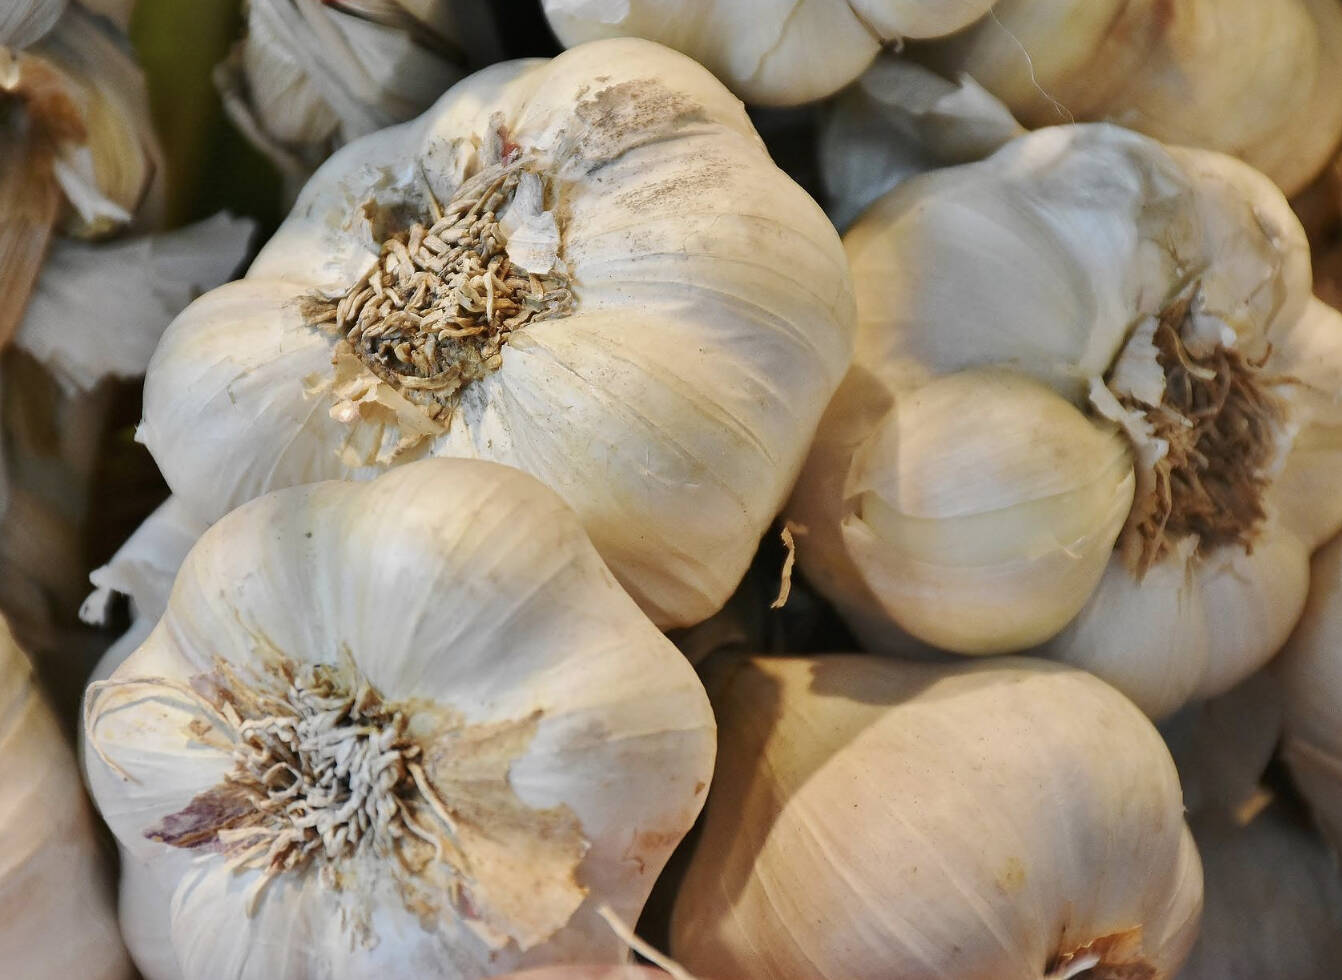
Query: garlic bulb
pixel 354 747
pixel 666 317
pixel 56 918
pixel 774 52
pixel 900 119
pixel 1258 80
pixel 310 76
pixel 77 150
pixel 1010 819
pixel 1164 292
pixel 1273 902
pixel 589 973
pixel 1311 673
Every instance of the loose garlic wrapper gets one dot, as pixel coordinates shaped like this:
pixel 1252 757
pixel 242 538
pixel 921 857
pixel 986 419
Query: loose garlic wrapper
pixel 56 917
pixel 969 483
pixel 666 317
pixel 774 52
pixel 1311 673
pixel 1257 80
pixel 427 628
pixel 872 818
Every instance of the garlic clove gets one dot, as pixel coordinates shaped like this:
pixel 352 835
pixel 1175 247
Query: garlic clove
pixel 1053 828
pixel 395 583
pixel 984 532
pixel 24 21
pixel 146 923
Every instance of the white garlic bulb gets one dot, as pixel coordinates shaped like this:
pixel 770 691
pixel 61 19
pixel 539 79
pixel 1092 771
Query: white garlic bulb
pixel 774 52
pixel 1311 673
pixel 900 119
pixel 57 918
pixel 354 747
pixel 1163 291
pixel 1273 902
pixel 871 818
pixel 666 317
pixel 310 76
pixel 1258 80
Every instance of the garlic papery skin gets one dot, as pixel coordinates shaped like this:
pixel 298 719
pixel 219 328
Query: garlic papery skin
pixel 24 21
pixel 775 52
pixel 411 725
pixel 1273 906
pixel 1164 291
pixel 900 119
pixel 310 76
pixel 669 315
pixel 56 913
pixel 1311 673
pixel 982 531
pixel 1205 73
pixel 1009 819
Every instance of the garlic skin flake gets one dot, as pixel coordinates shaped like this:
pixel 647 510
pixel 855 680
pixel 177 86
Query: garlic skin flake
pixel 1165 292
pixel 665 375
pixel 771 52
pixel 870 818
pixel 427 628
pixel 1257 80
pixel 1311 675
pixel 56 914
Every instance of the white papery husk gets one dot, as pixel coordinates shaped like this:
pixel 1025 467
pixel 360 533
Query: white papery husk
pixel 874 818
pixel 311 76
pixel 670 407
pixel 467 596
pixel 1072 241
pixel 24 21
pixel 56 914
pixel 1311 673
pixel 900 119
pixel 1273 905
pixel 1205 73
pixel 776 52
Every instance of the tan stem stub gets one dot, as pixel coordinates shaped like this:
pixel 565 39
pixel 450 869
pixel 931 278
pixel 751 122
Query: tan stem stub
pixel 1219 423
pixel 434 312
pixel 1114 957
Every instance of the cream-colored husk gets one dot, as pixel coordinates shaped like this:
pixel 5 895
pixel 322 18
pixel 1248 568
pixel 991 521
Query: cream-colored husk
pixel 1054 263
pixel 873 818
pixel 671 405
pixel 56 912
pixel 540 747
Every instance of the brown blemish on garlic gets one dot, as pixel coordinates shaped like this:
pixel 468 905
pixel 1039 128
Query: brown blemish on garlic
pixel 1117 956
pixel 625 116
pixel 1220 422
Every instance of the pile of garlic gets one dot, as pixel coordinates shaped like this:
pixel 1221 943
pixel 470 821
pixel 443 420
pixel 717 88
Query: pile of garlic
pixel 582 554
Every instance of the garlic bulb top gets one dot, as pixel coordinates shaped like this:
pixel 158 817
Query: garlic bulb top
pixel 586 268
pixel 1311 673
pixel 404 726
pixel 776 52
pixel 310 76
pixel 873 818
pixel 1155 472
pixel 1258 80
pixel 56 915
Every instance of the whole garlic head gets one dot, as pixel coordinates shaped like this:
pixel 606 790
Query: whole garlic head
pixel 1253 79
pixel 404 726
pixel 874 818
pixel 775 52
pixel 57 915
pixel 586 268
pixel 1162 291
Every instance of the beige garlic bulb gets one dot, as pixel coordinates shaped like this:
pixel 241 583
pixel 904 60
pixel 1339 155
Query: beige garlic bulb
pixel 310 76
pixel 1253 79
pixel 1311 673
pixel 354 747
pixel 56 913
pixel 872 818
pixel 1159 293
pixel 774 52
pixel 587 268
